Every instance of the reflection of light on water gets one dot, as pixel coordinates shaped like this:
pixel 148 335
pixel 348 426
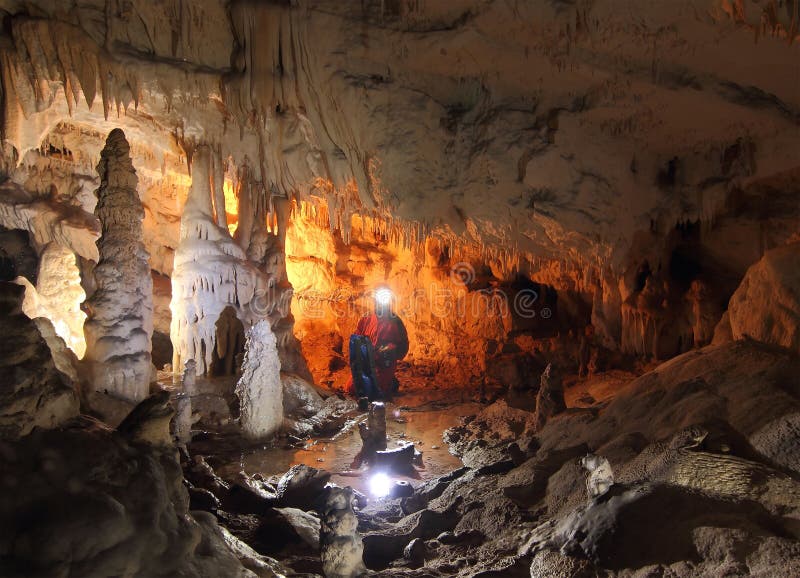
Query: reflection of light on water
pixel 380 485
pixel 423 427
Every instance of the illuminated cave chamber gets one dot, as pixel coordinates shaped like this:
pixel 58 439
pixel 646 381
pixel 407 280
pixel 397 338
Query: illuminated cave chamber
pixel 587 213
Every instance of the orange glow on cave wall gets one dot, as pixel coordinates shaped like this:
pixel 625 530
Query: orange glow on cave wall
pixel 333 283
pixel 231 206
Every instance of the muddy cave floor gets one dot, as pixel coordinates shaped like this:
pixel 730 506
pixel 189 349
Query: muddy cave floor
pixel 414 420
pixel 419 414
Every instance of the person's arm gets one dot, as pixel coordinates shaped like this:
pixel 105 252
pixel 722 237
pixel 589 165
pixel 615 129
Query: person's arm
pixel 401 347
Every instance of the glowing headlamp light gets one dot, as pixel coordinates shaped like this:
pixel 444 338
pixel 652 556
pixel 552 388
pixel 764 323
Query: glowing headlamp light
pixel 383 296
pixel 380 485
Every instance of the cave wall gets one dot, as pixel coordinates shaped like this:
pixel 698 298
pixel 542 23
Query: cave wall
pixel 572 143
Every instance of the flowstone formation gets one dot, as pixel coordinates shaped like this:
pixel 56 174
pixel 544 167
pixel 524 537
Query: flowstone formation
pixel 766 306
pixel 212 273
pixel 119 324
pixel 58 296
pixel 259 389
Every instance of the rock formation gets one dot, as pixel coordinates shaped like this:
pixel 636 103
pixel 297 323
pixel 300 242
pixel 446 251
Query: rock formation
pixel 119 324
pixel 766 306
pixel 184 418
pixel 34 393
pixel 550 399
pixel 211 274
pixel 516 173
pixel 340 544
pixel 58 296
pixel 373 434
pixel 600 478
pixel 259 389
pixel 100 505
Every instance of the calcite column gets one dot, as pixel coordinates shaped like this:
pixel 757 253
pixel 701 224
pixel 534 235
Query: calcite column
pixel 211 272
pixel 259 389
pixel 119 325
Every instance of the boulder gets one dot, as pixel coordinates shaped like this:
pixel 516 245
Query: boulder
pixel 300 398
pixel 301 486
pixel 305 525
pixel 766 306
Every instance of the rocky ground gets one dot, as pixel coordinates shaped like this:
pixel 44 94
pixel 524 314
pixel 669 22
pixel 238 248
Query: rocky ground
pixel 690 469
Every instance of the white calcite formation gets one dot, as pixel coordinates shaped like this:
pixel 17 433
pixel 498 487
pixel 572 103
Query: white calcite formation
pixel 48 221
pixel 119 326
pixel 259 389
pixel 58 296
pixel 211 271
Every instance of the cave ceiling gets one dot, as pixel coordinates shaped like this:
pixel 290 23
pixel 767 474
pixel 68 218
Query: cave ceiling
pixel 540 130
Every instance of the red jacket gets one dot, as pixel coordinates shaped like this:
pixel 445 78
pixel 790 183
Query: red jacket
pixel 387 334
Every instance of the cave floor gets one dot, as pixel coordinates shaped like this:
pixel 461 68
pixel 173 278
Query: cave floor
pixel 419 415
pixel 421 424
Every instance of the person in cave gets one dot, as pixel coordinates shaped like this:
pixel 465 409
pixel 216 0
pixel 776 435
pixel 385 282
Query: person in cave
pixel 379 342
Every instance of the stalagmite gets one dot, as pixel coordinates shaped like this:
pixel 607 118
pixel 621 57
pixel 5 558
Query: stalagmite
pixel 259 389
pixel 550 400
pixel 119 326
pixel 341 546
pixel 182 422
pixel 190 377
pixel 373 434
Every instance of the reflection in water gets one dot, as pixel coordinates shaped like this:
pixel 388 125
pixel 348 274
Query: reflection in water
pixel 421 425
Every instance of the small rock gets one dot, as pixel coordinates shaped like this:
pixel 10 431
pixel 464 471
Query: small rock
pixel 415 552
pixel 202 499
pixel 301 486
pixel 402 489
pixel 447 538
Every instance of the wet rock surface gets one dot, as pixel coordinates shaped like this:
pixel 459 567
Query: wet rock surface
pixel 683 472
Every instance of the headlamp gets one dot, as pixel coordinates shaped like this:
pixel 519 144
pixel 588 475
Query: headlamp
pixel 383 296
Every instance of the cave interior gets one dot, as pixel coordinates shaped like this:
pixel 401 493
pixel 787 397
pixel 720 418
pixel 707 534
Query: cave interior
pixel 573 225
